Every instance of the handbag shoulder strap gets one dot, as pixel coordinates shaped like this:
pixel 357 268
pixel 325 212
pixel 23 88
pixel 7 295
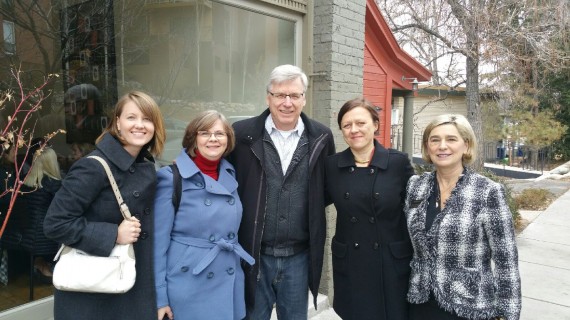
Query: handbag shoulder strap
pixel 177 187
pixel 122 205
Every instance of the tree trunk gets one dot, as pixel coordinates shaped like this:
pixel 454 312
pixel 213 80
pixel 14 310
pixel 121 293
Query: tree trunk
pixel 474 113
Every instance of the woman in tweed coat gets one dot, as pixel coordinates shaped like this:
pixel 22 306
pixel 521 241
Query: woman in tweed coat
pixel 460 224
pixel 85 215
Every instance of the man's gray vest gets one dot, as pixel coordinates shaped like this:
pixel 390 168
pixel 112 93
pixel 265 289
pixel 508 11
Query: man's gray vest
pixel 286 229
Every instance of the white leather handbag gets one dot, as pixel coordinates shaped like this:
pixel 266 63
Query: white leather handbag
pixel 79 271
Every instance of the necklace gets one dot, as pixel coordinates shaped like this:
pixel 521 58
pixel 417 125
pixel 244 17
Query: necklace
pixel 361 161
pixel 438 196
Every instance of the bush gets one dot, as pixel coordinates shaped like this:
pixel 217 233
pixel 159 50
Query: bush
pixel 422 168
pixel 511 201
pixel 534 199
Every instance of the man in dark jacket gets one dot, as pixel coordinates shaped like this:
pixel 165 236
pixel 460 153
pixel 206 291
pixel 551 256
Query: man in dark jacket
pixel 279 159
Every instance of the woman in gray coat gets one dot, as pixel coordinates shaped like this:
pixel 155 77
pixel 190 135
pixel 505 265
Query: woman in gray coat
pixel 84 213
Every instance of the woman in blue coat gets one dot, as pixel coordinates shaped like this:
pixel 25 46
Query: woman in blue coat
pixel 85 215
pixel 197 255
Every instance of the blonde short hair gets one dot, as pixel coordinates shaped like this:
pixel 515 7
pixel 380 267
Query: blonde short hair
pixel 44 164
pixel 465 131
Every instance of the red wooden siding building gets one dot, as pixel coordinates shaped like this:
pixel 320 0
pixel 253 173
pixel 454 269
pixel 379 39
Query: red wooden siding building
pixel 385 64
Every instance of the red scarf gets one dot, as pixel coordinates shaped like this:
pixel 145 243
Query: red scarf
pixel 209 167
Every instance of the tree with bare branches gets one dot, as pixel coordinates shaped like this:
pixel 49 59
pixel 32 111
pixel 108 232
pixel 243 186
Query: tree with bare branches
pixel 17 110
pixel 475 42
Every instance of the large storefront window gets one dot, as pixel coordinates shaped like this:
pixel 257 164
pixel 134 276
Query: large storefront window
pixel 190 55
pixel 198 55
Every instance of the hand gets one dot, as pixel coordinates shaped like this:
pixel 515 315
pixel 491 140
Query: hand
pixel 129 231
pixel 165 312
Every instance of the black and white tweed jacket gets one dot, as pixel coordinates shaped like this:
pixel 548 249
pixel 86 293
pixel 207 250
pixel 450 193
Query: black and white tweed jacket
pixel 453 258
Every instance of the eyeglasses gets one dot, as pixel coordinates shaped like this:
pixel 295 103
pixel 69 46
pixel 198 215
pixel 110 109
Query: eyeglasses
pixel 207 134
pixel 282 96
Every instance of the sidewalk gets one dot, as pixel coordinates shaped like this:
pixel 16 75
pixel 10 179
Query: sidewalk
pixel 324 310
pixel 544 262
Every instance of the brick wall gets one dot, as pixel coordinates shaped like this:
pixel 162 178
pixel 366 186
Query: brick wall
pixel 338 60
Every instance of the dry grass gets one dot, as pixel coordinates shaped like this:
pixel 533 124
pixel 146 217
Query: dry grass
pixel 534 199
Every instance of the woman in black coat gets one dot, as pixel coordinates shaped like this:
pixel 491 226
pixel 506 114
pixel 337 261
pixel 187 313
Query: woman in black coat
pixel 41 184
pixel 371 249
pixel 7 177
pixel 84 213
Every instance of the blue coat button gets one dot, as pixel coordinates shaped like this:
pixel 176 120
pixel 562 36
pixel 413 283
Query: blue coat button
pixel 199 184
pixel 132 170
pixel 208 202
pixel 231 201
pixel 184 269
pixel 231 235
pixel 231 271
pixel 136 194
pixel 210 275
pixel 212 238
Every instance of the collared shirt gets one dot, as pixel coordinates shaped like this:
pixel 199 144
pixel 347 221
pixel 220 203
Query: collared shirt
pixel 285 141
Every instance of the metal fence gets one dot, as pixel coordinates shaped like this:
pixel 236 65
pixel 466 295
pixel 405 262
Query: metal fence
pixel 396 139
pixel 519 156
pixel 496 152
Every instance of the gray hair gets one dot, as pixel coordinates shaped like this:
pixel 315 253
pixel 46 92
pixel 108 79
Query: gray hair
pixel 287 72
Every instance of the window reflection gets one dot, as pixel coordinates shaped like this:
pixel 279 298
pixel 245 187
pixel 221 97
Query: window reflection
pixel 9 37
pixel 88 62
pixel 189 55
